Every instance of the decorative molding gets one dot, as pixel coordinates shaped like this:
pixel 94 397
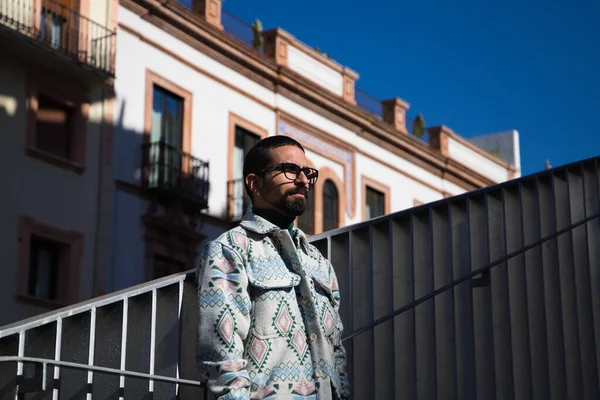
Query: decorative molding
pixel 313 142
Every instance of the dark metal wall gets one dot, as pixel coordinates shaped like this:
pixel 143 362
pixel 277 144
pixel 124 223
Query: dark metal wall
pixel 526 328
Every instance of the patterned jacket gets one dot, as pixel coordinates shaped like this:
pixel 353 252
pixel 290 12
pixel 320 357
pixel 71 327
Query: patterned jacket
pixel 269 326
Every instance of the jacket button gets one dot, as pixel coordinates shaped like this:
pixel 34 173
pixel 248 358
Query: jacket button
pixel 313 337
pixel 319 374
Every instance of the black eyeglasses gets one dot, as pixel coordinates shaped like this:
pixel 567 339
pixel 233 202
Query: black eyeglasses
pixel 292 171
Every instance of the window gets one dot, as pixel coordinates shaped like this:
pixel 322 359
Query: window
pixel 166 137
pixel 49 260
pixel 54 22
pixel 375 206
pixel 244 141
pixel 168 163
pixel 375 197
pixel 44 259
pixel 243 135
pixel 167 117
pixel 53 133
pixel 330 206
pixel 56 125
pixel 306 222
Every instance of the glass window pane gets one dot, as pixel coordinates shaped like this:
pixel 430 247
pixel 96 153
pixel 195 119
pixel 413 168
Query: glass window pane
pixel 375 206
pixel 330 206
pixel 53 127
pixel 44 257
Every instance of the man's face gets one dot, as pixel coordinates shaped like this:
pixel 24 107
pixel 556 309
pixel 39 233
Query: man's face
pixel 279 193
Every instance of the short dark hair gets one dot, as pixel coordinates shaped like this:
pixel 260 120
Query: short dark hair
pixel 259 156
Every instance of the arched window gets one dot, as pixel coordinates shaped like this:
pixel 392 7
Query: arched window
pixel 330 206
pixel 306 222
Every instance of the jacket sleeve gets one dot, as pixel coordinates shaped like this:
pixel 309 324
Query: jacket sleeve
pixel 339 350
pixel 223 324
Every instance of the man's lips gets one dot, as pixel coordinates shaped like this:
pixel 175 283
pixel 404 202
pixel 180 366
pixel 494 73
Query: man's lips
pixel 299 193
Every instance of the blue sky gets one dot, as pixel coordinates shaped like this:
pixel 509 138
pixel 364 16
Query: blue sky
pixel 475 66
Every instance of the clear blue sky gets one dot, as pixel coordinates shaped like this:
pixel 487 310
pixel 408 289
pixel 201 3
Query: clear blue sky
pixel 476 66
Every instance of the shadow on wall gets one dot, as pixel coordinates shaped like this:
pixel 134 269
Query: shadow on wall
pixel 68 197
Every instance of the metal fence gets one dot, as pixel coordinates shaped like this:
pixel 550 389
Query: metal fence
pixel 491 294
pixel 500 290
pixel 62 29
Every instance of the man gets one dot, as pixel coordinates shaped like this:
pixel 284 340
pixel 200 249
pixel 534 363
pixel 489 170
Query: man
pixel 268 301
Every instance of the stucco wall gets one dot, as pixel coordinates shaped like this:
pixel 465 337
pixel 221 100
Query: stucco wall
pixel 51 195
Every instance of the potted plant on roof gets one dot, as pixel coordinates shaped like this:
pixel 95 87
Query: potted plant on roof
pixel 258 39
pixel 419 126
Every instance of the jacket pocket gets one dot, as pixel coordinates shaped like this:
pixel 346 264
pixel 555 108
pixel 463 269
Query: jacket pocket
pixel 274 305
pixel 328 301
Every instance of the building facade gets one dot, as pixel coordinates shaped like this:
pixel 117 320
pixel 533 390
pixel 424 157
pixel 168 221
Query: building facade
pixel 56 100
pixel 127 123
pixel 195 90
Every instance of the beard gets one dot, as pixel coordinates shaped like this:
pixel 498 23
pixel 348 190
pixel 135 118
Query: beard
pixel 293 206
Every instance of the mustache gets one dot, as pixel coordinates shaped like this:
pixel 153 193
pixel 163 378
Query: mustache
pixel 297 190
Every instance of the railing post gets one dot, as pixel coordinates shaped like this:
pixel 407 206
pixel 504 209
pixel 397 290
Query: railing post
pixel 161 163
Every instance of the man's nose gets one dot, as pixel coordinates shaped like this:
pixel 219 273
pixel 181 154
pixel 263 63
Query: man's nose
pixel 301 178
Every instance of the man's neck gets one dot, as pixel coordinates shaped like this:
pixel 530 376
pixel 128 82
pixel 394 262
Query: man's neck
pixel 281 220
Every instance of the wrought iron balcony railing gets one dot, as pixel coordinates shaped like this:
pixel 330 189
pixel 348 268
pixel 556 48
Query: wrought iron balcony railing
pixel 63 30
pixel 237 199
pixel 169 171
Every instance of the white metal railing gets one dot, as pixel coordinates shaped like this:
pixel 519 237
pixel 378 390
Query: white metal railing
pixel 491 294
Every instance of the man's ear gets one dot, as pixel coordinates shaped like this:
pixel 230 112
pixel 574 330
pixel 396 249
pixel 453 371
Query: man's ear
pixel 252 181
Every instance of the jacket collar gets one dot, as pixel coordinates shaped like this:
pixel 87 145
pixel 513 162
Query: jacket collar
pixel 258 224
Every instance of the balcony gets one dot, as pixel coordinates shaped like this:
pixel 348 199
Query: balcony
pixel 45 31
pixel 238 202
pixel 172 175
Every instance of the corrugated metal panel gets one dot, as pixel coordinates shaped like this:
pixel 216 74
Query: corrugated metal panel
pixel 493 294
pixel 515 271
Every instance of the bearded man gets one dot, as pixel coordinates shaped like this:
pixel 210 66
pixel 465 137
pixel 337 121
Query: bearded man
pixel 268 301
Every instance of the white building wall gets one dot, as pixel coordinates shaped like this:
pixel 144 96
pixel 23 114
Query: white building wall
pixel 403 190
pixel 314 70
pixel 320 162
pixel 485 166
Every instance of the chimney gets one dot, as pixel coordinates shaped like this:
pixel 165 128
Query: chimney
pixel 394 113
pixel 210 10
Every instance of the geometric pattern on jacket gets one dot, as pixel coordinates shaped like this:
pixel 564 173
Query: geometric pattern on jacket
pixel 269 324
